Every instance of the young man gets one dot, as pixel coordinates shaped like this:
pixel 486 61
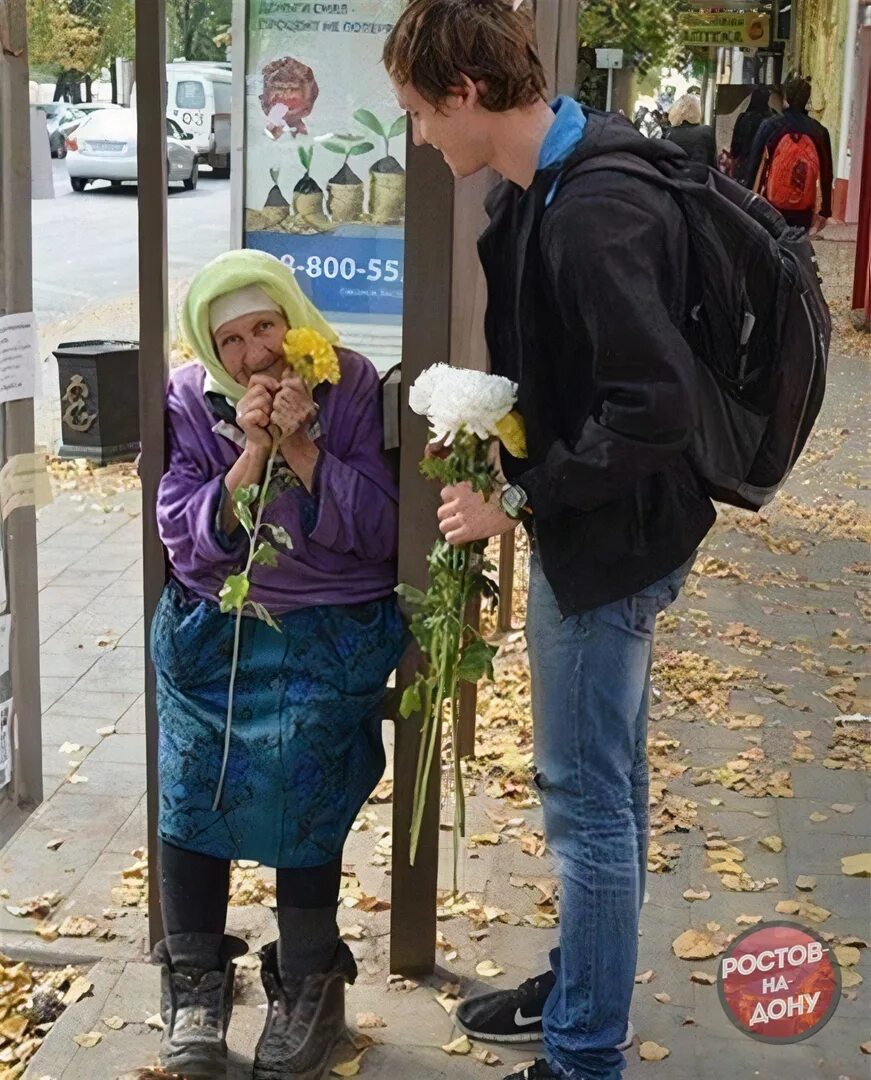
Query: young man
pixel 795 122
pixel 588 289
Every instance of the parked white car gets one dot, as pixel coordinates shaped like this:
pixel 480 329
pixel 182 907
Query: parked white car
pixel 104 148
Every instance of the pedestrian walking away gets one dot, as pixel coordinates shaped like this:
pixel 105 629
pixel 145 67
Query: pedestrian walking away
pixel 587 275
pixel 283 783
pixel 689 133
pixel 790 162
pixel 744 134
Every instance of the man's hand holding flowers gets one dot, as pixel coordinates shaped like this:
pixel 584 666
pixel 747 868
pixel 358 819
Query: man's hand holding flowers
pixel 465 515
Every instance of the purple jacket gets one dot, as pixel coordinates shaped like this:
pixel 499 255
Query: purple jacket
pixel 344 533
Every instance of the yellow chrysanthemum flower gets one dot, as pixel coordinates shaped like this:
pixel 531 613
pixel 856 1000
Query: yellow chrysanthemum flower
pixel 512 433
pixel 311 356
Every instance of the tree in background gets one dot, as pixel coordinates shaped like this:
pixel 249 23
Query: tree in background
pixel 63 43
pixel 194 26
pixel 646 30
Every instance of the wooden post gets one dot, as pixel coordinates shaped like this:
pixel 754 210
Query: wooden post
pixel 153 368
pixel 506 582
pixel 426 340
pixel 16 295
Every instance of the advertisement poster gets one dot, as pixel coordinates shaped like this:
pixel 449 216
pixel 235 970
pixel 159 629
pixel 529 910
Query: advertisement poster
pixel 325 155
pixel 5 743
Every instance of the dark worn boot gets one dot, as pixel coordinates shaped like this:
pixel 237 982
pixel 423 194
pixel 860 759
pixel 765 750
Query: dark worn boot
pixel 196 1002
pixel 306 1018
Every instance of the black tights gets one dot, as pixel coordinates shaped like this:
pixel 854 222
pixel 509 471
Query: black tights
pixel 195 889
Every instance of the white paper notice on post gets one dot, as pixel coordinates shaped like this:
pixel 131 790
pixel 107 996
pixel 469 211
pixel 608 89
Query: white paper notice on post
pixel 18 352
pixel 5 743
pixel 5 634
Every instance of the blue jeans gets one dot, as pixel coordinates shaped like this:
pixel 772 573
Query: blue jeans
pixel 590 690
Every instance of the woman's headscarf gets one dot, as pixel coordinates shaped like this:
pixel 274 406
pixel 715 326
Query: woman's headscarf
pixel 236 270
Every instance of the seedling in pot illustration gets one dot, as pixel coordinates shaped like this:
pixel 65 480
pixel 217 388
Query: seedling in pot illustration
pixel 276 208
pixel 345 190
pixel 387 176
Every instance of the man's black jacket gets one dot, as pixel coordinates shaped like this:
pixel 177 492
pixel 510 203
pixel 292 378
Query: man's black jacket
pixel 587 298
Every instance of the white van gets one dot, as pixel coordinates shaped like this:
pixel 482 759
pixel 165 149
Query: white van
pixel 198 99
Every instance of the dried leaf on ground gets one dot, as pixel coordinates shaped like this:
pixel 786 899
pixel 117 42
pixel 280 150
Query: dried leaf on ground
pixel 113 1022
pixel 351 933
pixel 460 1046
pixel 843 808
pixel 156 1022
pixel 77 926
pixel 651 1051
pixel 847 955
pixel 663 998
pixel 806 882
pixel 700 944
pixel 804 909
pixel 697 894
pixel 773 843
pixel 817 817
pixel 348 1068
pixel 487 969
pixel 486 1057
pixel 370 1020
pixel 645 977
pixel 69 748
pixel 703 978
pixel 857 865
pixel 88 1039
pixel 80 987
pixel 53 845
pixel 749 920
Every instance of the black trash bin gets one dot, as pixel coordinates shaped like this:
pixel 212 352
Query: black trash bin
pixel 99 400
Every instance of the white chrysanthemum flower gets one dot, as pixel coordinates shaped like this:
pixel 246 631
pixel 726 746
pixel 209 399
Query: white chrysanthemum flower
pixel 452 398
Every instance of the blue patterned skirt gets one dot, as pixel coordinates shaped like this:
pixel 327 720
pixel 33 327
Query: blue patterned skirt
pixel 306 749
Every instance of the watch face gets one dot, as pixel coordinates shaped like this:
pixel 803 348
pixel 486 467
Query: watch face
pixel 513 498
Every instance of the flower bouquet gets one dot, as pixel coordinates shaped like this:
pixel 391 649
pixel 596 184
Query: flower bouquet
pixel 468 411
pixel 315 361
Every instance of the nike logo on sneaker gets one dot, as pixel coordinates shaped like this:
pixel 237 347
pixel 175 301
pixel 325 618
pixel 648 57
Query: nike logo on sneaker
pixel 525 1021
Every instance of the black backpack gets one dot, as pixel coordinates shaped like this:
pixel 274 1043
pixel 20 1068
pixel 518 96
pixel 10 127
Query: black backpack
pixel 760 328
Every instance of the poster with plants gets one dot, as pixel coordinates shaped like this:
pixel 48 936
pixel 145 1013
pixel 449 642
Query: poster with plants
pixel 325 152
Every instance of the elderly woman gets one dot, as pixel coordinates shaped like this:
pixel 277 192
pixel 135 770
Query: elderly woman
pixel 304 750
pixel 691 135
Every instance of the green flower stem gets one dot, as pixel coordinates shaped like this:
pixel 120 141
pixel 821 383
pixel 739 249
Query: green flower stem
pixel 261 502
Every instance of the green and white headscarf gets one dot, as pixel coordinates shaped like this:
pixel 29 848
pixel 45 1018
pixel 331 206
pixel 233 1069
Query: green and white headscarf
pixel 228 273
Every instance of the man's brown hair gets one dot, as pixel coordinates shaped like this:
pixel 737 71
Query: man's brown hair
pixel 797 91
pixel 436 42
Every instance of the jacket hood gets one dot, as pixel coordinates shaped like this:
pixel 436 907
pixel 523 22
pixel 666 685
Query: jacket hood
pixel 605 133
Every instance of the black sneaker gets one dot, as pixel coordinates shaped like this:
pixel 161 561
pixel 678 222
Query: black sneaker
pixel 538 1070
pixel 513 1016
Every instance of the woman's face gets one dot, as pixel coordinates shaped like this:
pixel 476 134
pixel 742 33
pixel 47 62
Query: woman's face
pixel 252 345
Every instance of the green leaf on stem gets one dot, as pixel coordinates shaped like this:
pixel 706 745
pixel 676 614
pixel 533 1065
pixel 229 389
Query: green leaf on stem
pixel 265 554
pixel 414 596
pixel 262 613
pixel 280 535
pixel 411 700
pixel 476 661
pixel 243 497
pixel 234 592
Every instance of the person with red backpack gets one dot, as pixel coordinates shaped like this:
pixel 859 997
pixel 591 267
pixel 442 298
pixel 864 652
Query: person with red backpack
pixel 790 163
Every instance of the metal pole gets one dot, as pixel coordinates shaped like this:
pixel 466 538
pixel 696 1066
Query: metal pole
pixel 842 172
pixel 610 96
pixel 153 366
pixel 16 295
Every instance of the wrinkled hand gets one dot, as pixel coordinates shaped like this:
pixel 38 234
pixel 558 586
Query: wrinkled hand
pixel 293 407
pixel 254 411
pixel 465 515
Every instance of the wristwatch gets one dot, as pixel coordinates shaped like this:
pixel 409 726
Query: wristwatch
pixel 513 500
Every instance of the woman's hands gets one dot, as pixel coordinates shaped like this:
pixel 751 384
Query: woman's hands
pixel 293 407
pixel 287 406
pixel 254 413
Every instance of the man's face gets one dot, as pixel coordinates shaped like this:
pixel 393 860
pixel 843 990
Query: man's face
pixel 457 128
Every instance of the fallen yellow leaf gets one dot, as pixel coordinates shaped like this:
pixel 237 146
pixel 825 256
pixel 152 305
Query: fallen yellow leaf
pixel 857 865
pixel 370 1020
pixel 651 1051
pixel 773 843
pixel 488 970
pixel 348 1068
pixel 460 1046
pixel 113 1022
pixel 88 1039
